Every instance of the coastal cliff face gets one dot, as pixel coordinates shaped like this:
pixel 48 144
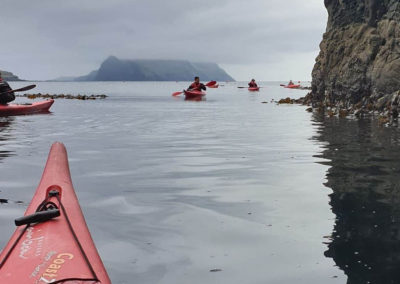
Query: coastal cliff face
pixel 359 61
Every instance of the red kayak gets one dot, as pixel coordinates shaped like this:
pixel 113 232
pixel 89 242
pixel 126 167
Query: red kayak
pixel 292 86
pixel 253 89
pixel 213 86
pixel 194 94
pixel 17 109
pixel 53 243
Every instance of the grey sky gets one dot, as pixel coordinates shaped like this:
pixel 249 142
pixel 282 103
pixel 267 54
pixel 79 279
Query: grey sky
pixel 265 39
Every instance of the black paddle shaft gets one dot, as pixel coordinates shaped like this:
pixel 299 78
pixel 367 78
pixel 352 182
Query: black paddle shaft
pixel 26 88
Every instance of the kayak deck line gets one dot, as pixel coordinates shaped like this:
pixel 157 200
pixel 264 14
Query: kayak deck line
pixel 55 245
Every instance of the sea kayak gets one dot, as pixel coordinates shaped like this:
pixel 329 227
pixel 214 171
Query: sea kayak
pixel 213 86
pixel 253 89
pixel 194 94
pixel 52 243
pixel 292 86
pixel 21 109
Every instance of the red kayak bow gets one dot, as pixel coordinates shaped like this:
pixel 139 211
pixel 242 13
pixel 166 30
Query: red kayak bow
pixel 52 243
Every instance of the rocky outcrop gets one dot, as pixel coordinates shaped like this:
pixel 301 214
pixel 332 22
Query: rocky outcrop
pixel 359 61
pixel 114 69
pixel 8 76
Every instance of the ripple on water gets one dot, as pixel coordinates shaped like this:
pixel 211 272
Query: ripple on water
pixel 121 205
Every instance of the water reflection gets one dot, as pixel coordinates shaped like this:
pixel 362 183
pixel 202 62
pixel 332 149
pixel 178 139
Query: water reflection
pixel 5 135
pixel 195 99
pixel 364 176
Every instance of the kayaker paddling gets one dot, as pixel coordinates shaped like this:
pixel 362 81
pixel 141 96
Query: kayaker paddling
pixel 5 95
pixel 253 84
pixel 196 85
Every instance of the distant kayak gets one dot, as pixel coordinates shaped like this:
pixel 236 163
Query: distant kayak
pixel 194 94
pixel 52 243
pixel 253 89
pixel 21 109
pixel 292 86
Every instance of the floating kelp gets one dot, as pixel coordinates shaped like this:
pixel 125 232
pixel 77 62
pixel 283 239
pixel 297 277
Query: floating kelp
pixel 63 96
pixel 4 201
pixel 286 101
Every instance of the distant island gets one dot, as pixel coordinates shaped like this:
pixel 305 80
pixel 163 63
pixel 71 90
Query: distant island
pixel 115 69
pixel 8 76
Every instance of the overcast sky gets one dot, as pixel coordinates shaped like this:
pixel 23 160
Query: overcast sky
pixel 265 39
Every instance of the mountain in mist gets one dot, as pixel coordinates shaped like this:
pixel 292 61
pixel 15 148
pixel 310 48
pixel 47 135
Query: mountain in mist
pixel 114 69
pixel 8 76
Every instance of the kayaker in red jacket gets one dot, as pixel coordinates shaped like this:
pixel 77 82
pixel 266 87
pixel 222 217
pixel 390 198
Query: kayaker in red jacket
pixel 253 84
pixel 290 83
pixel 196 85
pixel 5 97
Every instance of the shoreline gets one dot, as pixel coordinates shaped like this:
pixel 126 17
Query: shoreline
pixel 385 108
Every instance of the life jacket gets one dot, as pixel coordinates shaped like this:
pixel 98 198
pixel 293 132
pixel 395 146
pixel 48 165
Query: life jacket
pixel 5 97
pixel 197 86
pixel 252 85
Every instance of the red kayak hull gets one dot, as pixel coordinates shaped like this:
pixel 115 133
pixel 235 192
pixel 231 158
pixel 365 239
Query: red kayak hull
pixel 48 251
pixel 254 89
pixel 16 109
pixel 214 86
pixel 194 94
pixel 292 86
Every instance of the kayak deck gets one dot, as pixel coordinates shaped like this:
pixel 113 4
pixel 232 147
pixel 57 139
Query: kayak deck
pixel 292 86
pixel 21 109
pixel 193 94
pixel 253 89
pixel 59 250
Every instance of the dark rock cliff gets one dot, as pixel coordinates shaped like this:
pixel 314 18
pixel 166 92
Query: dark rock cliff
pixel 359 61
pixel 114 69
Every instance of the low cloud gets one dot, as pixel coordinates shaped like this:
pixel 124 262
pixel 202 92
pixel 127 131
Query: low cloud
pixel 46 39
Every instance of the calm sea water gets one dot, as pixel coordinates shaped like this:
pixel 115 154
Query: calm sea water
pixel 226 190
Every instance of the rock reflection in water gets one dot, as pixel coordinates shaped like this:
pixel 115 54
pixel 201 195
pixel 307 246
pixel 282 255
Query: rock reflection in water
pixel 5 123
pixel 364 176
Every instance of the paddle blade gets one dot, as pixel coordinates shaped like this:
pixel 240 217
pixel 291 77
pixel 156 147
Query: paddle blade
pixel 176 94
pixel 24 88
pixel 211 83
pixel 20 89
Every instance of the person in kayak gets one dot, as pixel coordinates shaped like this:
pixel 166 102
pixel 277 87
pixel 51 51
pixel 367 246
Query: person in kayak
pixel 290 83
pixel 5 87
pixel 196 85
pixel 253 84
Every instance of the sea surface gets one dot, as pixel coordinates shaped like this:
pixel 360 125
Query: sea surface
pixel 232 189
